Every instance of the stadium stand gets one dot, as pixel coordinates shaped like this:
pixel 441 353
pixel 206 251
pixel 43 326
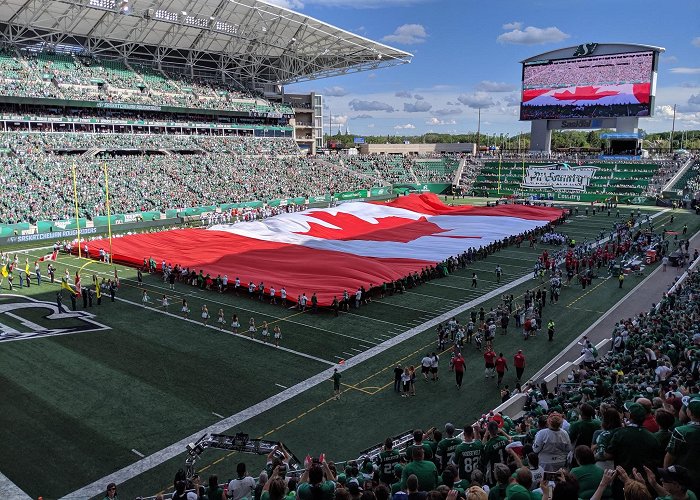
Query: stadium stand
pixel 624 178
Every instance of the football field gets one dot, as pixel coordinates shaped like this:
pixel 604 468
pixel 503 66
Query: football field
pixel 120 388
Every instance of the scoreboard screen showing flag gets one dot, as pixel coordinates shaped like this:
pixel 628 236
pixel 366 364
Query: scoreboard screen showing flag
pixel 607 86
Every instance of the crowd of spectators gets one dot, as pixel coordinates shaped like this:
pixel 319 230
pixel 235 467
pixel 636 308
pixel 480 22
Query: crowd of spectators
pixel 398 168
pixel 72 77
pixel 607 70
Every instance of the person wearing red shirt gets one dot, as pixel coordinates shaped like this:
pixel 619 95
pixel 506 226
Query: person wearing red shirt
pixel 519 362
pixel 501 367
pixel 458 364
pixel 489 357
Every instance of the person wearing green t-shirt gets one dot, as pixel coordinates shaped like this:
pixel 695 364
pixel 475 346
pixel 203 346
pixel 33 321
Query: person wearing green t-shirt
pixel 520 484
pixel 468 454
pixel 446 447
pixel 588 474
pixel 386 461
pixel 424 470
pixel 581 431
pixel 634 446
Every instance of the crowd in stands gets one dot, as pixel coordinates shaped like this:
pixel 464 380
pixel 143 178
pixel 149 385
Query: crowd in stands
pixel 608 70
pixel 398 168
pixel 73 77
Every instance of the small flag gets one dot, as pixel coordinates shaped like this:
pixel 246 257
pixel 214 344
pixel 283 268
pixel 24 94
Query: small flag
pixel 77 284
pixel 49 256
pixel 341 362
pixel 4 271
pixel 66 286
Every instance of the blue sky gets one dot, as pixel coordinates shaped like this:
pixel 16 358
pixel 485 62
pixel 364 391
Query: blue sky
pixel 467 53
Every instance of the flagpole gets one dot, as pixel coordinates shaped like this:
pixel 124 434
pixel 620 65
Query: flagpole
pixel 77 215
pixel 499 173
pixel 109 215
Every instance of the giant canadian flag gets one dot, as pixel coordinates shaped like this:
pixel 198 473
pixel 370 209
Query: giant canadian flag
pixel 626 93
pixel 326 251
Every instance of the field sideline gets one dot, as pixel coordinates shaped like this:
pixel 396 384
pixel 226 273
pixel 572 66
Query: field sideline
pixel 87 404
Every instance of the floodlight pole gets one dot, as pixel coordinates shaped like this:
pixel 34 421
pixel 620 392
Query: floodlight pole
pixel 478 133
pixel 673 128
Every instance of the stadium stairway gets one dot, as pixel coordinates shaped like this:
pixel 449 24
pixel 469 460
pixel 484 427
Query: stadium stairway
pixel 341 165
pixel 670 185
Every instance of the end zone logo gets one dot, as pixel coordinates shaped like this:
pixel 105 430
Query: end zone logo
pixel 23 318
pixel 558 176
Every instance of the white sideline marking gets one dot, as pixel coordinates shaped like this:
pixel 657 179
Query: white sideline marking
pixel 137 452
pixel 8 489
pixel 217 415
pixel 285 387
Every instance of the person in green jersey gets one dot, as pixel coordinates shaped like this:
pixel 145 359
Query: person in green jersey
pixel 418 442
pixel 336 384
pixel 386 461
pixel 468 454
pixel 520 485
pixel 446 446
pixel 684 446
pixel 494 450
pixel 634 446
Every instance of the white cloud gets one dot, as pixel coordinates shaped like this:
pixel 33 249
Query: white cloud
pixel 489 86
pixel 362 117
pixel 696 41
pixel 371 125
pixel 335 91
pixel 407 34
pixel 372 76
pixel 339 119
pixel 476 100
pixel 288 4
pixel 418 97
pixel 404 93
pixel 533 36
pixel 685 71
pixel 408 126
pixel 668 59
pixel 359 105
pixel 448 111
pixel 417 107
pixel 515 25
pixel 437 121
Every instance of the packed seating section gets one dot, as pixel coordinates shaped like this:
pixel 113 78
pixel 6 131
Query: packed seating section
pixel 80 78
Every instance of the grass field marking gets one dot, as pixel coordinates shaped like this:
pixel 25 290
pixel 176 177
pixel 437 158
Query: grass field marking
pixel 376 319
pixel 217 329
pixel 243 309
pixel 465 290
pixel 217 415
pixel 442 299
pixel 584 294
pixel 361 389
pixel 391 304
pixel 280 385
pixel 585 310
pixel 8 489
pixel 137 452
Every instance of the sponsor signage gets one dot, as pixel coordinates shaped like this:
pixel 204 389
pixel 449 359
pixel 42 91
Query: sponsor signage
pixel 585 49
pixel 55 235
pixel 124 105
pixel 358 140
pixel 559 176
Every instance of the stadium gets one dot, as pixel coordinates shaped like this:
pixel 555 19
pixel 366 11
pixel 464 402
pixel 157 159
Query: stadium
pixel 197 302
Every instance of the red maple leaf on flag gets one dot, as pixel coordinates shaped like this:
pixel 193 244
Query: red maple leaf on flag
pixel 351 227
pixel 588 93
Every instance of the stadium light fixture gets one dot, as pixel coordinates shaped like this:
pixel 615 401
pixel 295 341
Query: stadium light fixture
pixel 124 7
pixel 103 4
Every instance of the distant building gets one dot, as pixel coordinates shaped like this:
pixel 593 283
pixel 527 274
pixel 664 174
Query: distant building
pixel 418 149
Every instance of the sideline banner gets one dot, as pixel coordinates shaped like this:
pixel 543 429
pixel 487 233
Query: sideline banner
pixel 558 176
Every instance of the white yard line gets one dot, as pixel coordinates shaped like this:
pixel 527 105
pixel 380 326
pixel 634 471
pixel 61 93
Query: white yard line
pixel 137 452
pixel 8 489
pixel 217 415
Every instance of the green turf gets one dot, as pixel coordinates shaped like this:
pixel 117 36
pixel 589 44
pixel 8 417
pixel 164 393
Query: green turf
pixel 80 403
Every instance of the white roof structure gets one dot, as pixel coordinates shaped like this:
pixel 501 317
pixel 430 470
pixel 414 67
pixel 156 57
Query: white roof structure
pixel 246 41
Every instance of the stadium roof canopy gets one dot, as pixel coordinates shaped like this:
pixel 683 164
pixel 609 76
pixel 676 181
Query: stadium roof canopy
pixel 246 41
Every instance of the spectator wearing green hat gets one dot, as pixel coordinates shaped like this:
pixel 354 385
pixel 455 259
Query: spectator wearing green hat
pixel 632 445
